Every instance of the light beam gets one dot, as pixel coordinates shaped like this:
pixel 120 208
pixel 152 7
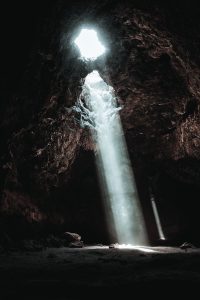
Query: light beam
pixel 157 218
pixel 99 111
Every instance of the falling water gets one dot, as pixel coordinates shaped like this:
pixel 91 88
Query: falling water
pixel 98 110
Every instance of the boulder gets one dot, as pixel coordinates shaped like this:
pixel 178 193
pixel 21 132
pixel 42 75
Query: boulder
pixel 78 244
pixel 185 246
pixel 72 237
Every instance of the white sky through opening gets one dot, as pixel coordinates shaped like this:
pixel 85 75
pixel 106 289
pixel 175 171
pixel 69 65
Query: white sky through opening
pixel 89 45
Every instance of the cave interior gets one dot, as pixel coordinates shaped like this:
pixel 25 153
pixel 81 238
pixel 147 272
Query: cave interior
pixel 49 179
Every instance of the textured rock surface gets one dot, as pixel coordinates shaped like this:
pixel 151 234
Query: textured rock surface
pixel 60 273
pixel 48 171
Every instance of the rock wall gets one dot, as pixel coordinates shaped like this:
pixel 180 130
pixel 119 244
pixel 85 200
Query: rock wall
pixel 48 172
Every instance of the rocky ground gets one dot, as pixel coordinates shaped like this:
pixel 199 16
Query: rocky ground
pixel 62 273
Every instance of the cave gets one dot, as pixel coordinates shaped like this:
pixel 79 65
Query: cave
pixel 51 186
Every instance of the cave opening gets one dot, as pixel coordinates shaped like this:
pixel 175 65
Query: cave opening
pixel 89 44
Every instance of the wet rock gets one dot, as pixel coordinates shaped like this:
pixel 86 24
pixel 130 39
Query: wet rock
pixel 112 246
pixel 185 246
pixel 72 237
pixel 78 244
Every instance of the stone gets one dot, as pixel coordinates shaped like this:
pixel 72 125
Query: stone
pixel 72 237
pixel 185 246
pixel 78 244
pixel 111 246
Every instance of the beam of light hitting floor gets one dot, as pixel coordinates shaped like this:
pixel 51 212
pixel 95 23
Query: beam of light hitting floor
pixel 89 44
pixel 99 111
pixel 157 219
pixel 140 248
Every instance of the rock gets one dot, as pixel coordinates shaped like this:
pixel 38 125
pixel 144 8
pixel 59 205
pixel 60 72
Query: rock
pixel 72 237
pixel 31 245
pixel 78 244
pixel 185 246
pixel 111 246
pixel 154 69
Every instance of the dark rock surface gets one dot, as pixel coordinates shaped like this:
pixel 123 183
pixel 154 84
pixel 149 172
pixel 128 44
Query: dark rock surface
pixel 185 246
pixel 48 175
pixel 72 236
pixel 71 273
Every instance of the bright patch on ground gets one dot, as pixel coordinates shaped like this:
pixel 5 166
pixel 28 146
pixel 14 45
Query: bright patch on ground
pixel 140 248
pixel 89 44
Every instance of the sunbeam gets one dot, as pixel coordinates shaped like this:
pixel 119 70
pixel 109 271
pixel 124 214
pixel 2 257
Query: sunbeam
pixel 98 109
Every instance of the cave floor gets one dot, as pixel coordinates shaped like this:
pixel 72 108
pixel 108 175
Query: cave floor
pixel 56 271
